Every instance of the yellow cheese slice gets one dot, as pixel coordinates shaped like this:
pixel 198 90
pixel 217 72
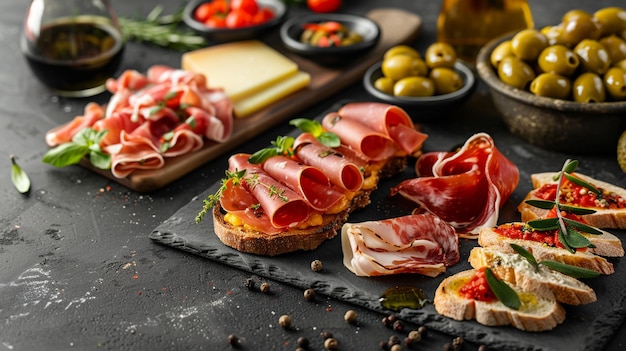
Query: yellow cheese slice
pixel 240 68
pixel 271 94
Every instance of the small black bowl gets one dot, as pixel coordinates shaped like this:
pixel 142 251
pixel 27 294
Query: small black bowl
pixel 221 35
pixel 291 31
pixel 428 107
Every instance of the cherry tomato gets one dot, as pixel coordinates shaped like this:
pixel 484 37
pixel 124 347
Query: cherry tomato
pixel 238 19
pixel 216 22
pixel 249 6
pixel 323 6
pixel 203 12
pixel 263 15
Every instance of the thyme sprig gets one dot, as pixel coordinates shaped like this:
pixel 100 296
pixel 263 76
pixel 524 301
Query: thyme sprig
pixel 161 30
pixel 569 230
pixel 572 271
pixel 236 177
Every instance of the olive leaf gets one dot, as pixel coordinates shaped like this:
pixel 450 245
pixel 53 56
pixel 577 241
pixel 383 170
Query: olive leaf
pixel 20 179
pixel 544 224
pixel 582 183
pixel 548 205
pixel 525 253
pixel 582 227
pixel 572 271
pixel 570 166
pixel 503 291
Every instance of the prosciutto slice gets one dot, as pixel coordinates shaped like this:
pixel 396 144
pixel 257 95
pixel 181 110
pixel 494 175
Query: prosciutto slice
pixel 93 112
pixel 422 244
pixel 387 119
pixel 339 169
pixel 283 206
pixel 373 145
pixel 466 188
pixel 133 153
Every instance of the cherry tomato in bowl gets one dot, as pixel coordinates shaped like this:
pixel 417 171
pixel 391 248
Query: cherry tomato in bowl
pixel 323 6
pixel 231 20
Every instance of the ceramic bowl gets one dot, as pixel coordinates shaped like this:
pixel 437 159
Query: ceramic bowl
pixel 220 35
pixel 429 107
pixel 291 31
pixel 553 124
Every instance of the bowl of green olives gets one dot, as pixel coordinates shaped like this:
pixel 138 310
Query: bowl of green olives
pixel 561 88
pixel 330 39
pixel 428 85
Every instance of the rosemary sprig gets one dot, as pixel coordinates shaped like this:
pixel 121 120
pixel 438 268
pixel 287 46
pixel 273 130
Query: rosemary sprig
pixel 573 271
pixel 161 30
pixel 569 230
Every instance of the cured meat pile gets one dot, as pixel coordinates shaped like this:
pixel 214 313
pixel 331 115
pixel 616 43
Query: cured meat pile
pixel 165 113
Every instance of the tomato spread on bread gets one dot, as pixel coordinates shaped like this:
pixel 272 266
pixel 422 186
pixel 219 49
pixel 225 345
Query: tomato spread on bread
pixel 477 288
pixel 526 232
pixel 574 194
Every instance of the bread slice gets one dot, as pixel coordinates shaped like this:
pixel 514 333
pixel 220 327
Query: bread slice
pixel 585 259
pixel 545 282
pixel 536 313
pixel 602 218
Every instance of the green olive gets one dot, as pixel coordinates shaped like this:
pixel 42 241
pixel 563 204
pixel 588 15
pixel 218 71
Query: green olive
pixel 440 55
pixel 593 56
pixel 553 34
pixel 620 64
pixel 588 87
pixel 578 28
pixel 615 83
pixel 551 85
pixel 400 66
pixel 403 50
pixel 446 80
pixel 558 59
pixel 384 84
pixel 414 87
pixel 528 43
pixel 615 46
pixel 612 20
pixel 515 72
pixel 499 52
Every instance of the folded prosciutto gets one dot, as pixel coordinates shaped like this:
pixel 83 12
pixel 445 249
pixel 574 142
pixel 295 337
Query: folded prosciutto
pixel 419 243
pixel 465 188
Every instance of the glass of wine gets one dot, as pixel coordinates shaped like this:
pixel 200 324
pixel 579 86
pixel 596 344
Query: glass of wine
pixel 72 46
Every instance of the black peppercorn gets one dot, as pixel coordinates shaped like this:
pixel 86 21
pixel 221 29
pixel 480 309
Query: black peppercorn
pixel 233 340
pixel 265 288
pixel 303 342
pixel 326 335
pixel 330 344
pixel 316 265
pixel 284 321
pixel 309 294
pixel 398 325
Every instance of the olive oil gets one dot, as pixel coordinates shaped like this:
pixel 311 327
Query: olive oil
pixel 399 297
pixel 467 25
pixel 74 57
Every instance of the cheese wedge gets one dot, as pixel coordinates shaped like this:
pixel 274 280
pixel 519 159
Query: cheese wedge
pixel 241 68
pixel 271 94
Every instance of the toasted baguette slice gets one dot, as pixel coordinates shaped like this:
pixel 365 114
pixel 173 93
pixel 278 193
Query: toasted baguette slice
pixel 536 313
pixel 585 259
pixel 545 282
pixel 609 218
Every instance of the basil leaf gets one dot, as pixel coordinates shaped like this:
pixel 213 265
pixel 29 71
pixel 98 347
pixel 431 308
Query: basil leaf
pixel 582 183
pixel 544 224
pixel 572 271
pixel 65 154
pixel 262 155
pixel 329 139
pixel 525 253
pixel 307 126
pixel 20 179
pixel 570 166
pixel 100 159
pixel 503 291
pixel 542 204
pixel 582 227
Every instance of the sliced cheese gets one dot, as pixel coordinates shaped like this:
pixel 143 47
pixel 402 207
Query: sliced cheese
pixel 271 94
pixel 241 68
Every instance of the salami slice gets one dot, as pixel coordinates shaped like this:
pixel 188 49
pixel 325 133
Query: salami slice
pixel 422 244
pixel 339 169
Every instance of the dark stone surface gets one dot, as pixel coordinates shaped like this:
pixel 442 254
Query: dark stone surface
pixel 78 270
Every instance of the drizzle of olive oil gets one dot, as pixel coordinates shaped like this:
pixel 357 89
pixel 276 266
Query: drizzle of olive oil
pixel 399 297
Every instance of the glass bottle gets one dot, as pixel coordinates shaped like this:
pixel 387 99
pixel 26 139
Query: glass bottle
pixel 72 46
pixel 467 25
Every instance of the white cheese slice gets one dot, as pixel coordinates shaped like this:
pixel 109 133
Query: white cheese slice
pixel 271 94
pixel 241 68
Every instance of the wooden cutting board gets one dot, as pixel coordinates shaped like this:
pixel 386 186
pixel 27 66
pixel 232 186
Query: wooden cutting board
pixel 397 27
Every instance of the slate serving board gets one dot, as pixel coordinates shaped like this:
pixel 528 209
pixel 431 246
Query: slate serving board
pixel 397 27
pixel 586 327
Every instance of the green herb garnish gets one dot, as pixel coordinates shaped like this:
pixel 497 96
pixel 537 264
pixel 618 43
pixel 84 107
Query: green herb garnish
pixel 573 271
pixel 502 290
pixel 85 142
pixel 569 231
pixel 213 199
pixel 20 179
pixel 283 145
pixel 317 130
